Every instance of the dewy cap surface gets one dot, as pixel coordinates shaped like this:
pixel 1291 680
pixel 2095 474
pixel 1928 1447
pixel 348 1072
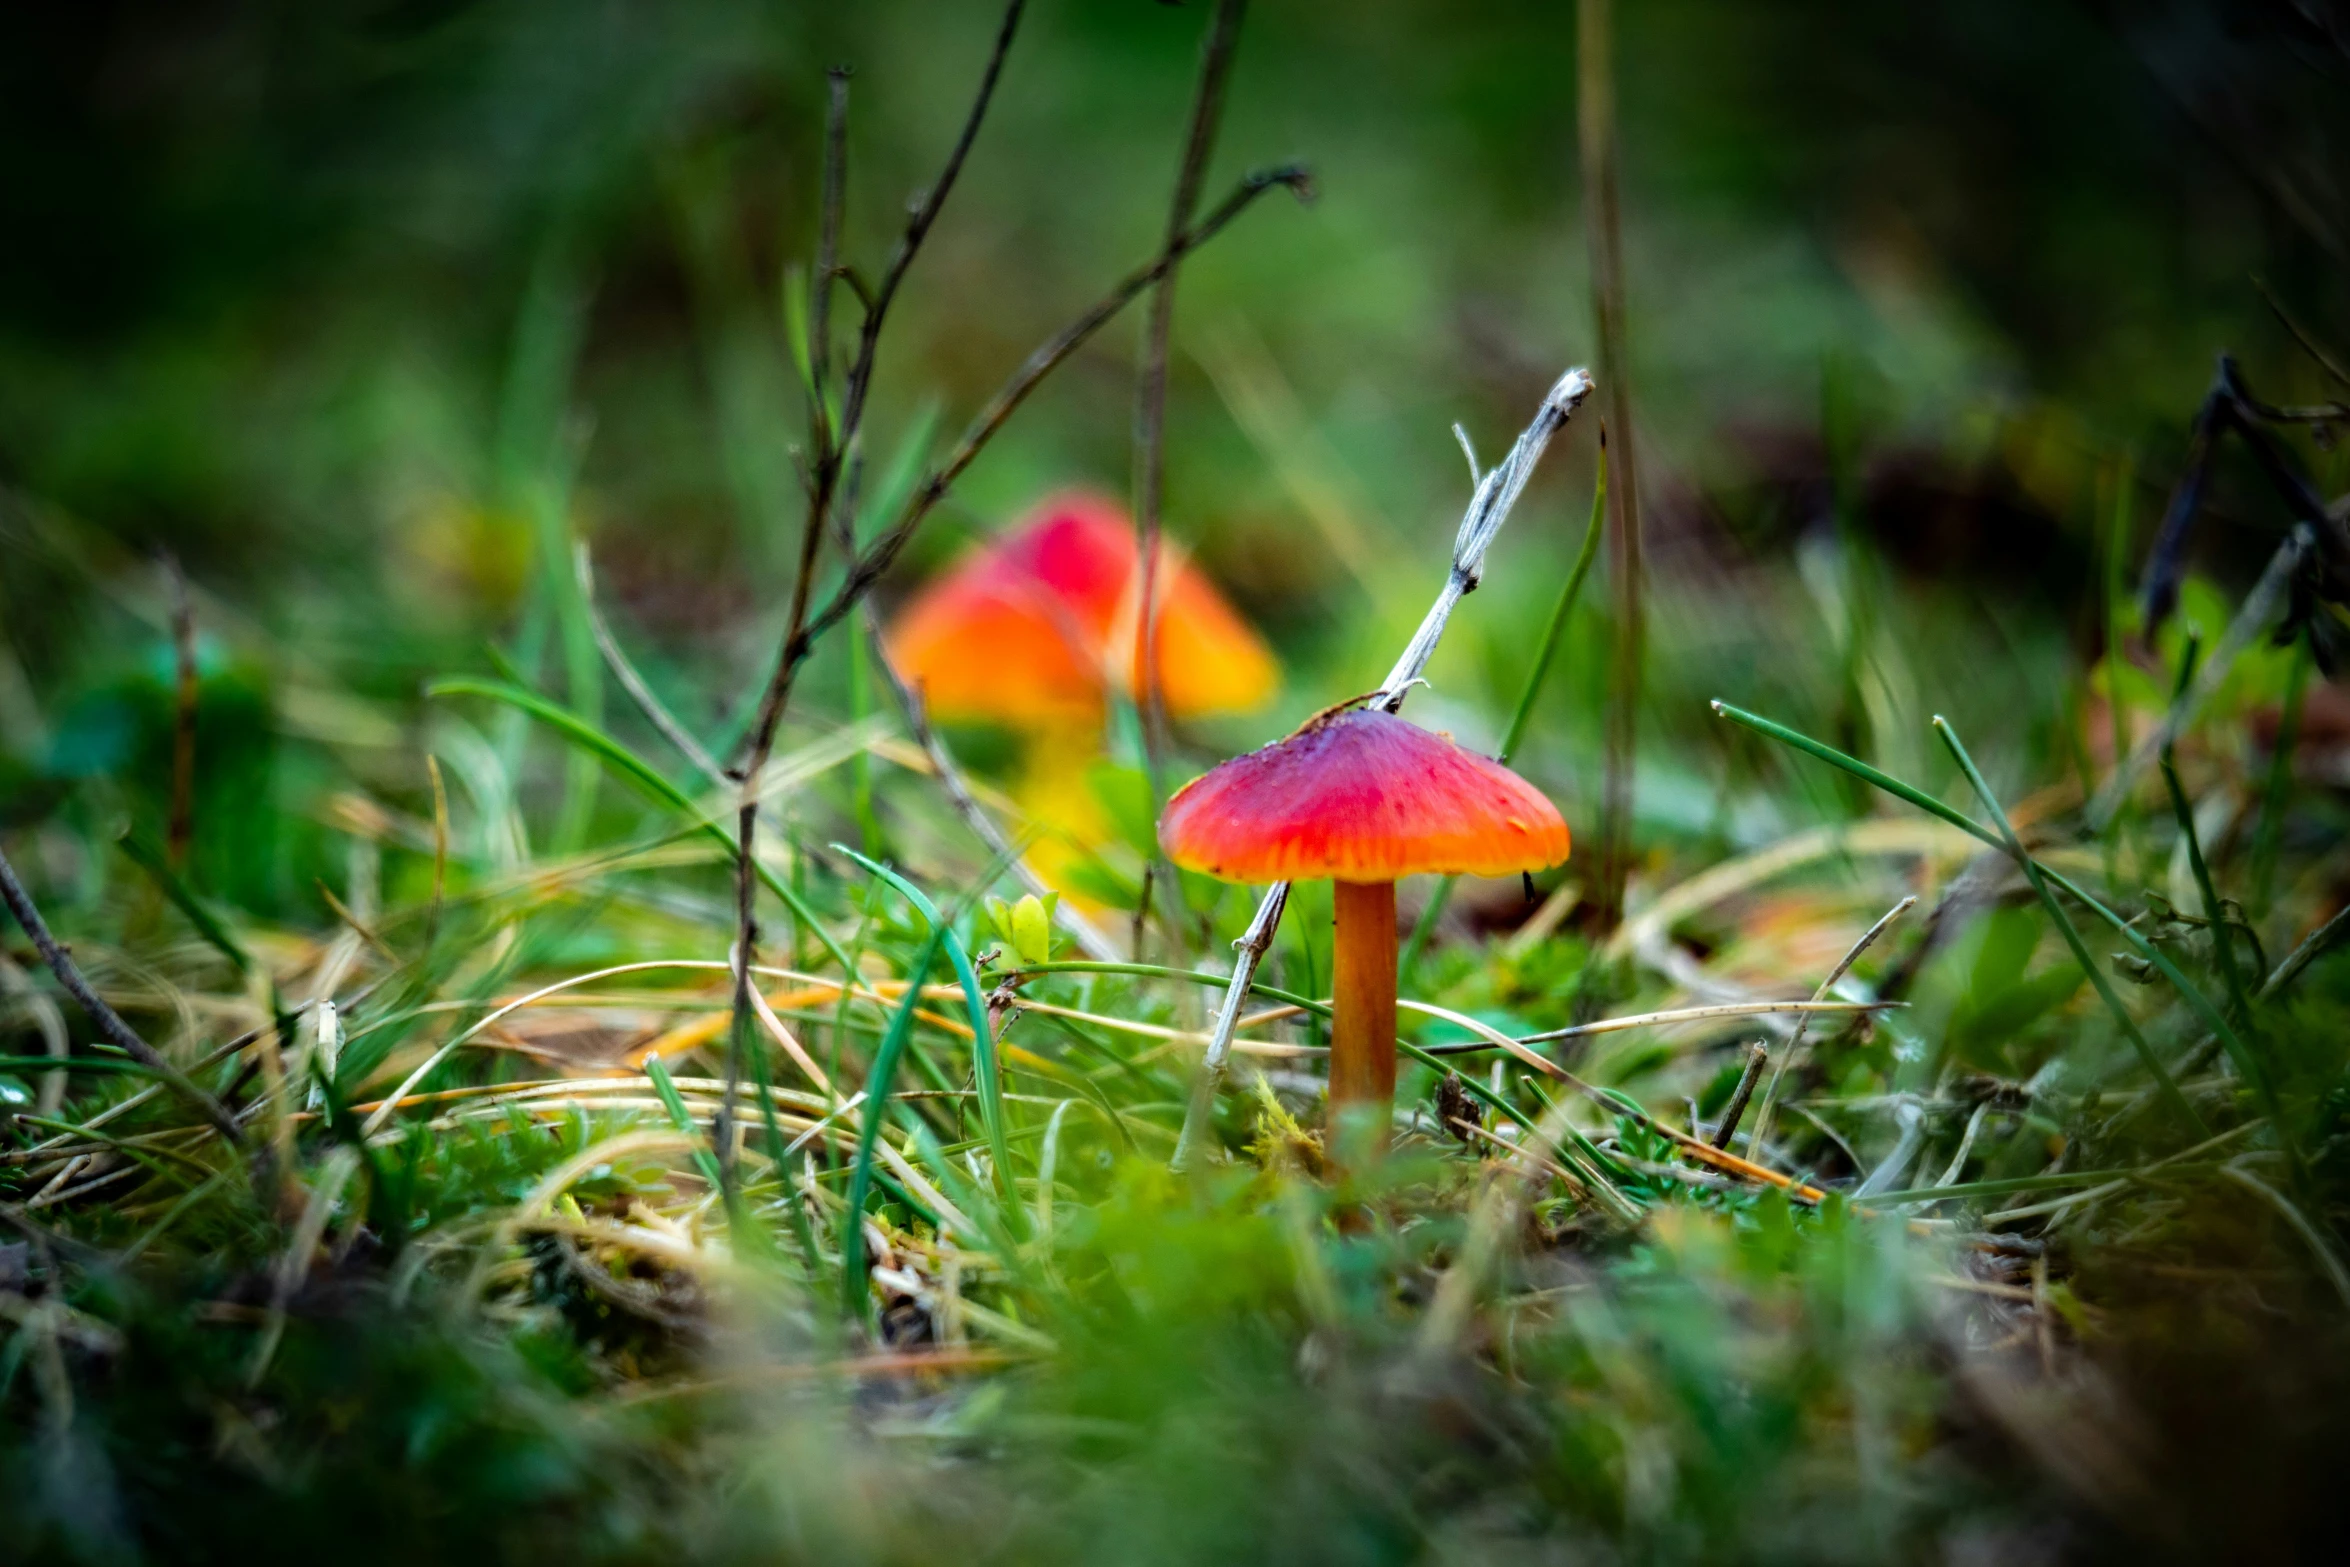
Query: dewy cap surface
pixel 1361 796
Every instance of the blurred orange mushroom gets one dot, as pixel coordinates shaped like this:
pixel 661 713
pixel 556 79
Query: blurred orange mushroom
pixel 1035 629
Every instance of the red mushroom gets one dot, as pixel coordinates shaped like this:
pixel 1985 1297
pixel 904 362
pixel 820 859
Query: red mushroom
pixel 1363 798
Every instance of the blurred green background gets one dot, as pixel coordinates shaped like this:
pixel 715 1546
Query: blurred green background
pixel 358 308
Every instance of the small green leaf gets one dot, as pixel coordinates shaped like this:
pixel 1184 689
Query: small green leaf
pixel 1032 930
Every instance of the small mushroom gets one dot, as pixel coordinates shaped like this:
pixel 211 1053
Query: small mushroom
pixel 1363 798
pixel 1034 629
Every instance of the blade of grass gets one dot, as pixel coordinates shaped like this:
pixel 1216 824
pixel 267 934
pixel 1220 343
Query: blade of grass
pixel 100 1064
pixel 1861 770
pixel 779 1156
pixel 2116 589
pixel 682 1119
pixel 1162 971
pixel 2137 943
pixel 984 1067
pixel 2222 937
pixel 2055 1180
pixel 1559 611
pixel 2070 932
pixel 856 1297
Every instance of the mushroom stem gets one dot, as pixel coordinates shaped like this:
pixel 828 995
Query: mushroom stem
pixel 1362 1013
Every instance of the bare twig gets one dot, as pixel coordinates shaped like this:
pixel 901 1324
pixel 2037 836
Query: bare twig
pixel 1460 433
pixel 1488 509
pixel 883 552
pixel 919 219
pixel 110 1023
pixel 1603 234
pixel 2230 405
pixel 832 450
pixel 1150 412
pixel 804 627
pixel 1757 1057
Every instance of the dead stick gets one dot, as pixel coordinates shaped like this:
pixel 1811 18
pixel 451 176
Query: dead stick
pixel 1603 230
pixel 1756 1057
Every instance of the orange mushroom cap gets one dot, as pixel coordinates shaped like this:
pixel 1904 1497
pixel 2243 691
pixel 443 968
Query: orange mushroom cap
pixel 1362 796
pixel 1031 629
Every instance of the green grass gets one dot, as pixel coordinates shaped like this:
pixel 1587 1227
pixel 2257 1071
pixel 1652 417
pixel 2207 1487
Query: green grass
pixel 2046 1259
pixel 505 1331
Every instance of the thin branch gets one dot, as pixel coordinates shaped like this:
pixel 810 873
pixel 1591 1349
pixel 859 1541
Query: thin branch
pixel 1488 509
pixel 1150 413
pixel 802 628
pixel 919 218
pixel 1757 1057
pixel 1603 232
pixel 879 556
pixel 831 450
pixel 2230 405
pixel 1460 433
pixel 2158 590
pixel 110 1024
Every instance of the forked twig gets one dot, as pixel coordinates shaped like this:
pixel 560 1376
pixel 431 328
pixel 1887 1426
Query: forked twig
pixel 832 447
pixel 865 568
pixel 883 552
pixel 1488 509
